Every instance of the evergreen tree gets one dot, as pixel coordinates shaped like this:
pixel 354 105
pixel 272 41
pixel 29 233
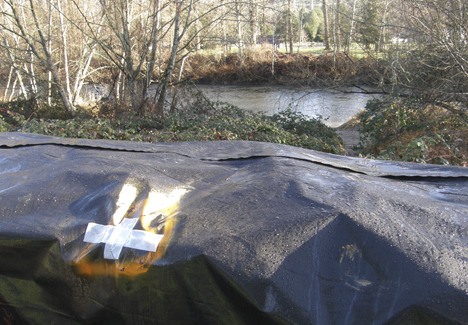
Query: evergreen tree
pixel 369 28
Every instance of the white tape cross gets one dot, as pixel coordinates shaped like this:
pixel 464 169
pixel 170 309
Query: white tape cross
pixel 120 236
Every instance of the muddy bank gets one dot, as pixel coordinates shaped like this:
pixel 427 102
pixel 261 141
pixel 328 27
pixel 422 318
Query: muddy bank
pixel 282 69
pixel 350 133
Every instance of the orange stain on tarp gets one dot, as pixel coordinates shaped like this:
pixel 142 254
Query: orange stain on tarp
pixel 154 206
pixel 136 265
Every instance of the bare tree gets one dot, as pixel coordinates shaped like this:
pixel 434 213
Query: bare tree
pixel 253 22
pixel 48 50
pixel 15 65
pixel 352 25
pixel 435 43
pixel 38 43
pixel 326 33
pixel 290 28
pixel 178 34
pixel 240 27
pixel 337 26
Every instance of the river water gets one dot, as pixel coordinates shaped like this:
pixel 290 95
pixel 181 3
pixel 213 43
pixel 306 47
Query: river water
pixel 335 107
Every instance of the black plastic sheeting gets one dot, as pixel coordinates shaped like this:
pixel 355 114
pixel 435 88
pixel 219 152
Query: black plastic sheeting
pixel 251 233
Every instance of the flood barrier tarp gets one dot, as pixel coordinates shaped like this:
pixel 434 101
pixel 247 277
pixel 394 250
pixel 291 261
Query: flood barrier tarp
pixel 95 231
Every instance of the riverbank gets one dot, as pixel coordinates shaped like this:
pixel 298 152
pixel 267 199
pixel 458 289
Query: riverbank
pixel 267 68
pixel 394 128
pixel 389 129
pixel 412 129
pixel 350 135
pixel 202 122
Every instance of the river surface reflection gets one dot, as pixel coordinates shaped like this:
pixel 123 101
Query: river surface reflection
pixel 335 107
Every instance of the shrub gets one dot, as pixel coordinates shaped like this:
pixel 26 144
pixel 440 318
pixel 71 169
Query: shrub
pixel 409 129
pixel 312 133
pixel 204 121
pixel 4 126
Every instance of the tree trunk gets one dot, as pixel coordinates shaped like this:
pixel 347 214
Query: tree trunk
pixel 326 37
pixel 381 43
pixel 49 48
pixel 240 41
pixel 171 62
pixel 351 29
pixel 16 69
pixel 290 32
pixel 152 57
pixel 253 22
pixel 32 73
pixel 63 30
pixel 50 63
pixel 337 27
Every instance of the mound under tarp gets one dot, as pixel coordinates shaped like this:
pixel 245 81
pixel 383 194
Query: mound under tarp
pixel 95 231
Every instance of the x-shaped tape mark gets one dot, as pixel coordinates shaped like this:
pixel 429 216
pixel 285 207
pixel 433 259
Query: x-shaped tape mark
pixel 122 235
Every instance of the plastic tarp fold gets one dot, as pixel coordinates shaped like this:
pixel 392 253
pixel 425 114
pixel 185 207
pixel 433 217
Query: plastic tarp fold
pixel 95 231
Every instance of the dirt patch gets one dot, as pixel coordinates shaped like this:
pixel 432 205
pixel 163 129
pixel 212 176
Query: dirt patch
pixel 350 134
pixel 351 139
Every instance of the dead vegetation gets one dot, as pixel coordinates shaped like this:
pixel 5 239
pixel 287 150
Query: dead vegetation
pixel 267 67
